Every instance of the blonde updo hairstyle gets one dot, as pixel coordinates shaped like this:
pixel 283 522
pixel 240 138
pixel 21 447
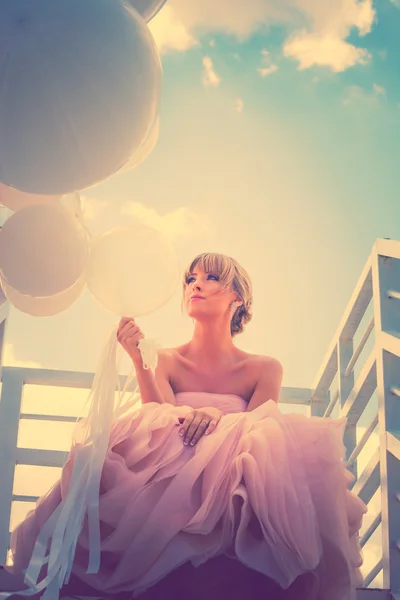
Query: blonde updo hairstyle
pixel 232 276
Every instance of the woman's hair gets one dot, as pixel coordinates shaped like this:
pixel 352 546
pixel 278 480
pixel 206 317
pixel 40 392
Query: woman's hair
pixel 232 276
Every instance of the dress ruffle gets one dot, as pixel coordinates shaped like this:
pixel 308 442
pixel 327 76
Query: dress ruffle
pixel 267 488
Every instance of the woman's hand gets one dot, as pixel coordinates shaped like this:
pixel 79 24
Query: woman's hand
pixel 129 336
pixel 198 423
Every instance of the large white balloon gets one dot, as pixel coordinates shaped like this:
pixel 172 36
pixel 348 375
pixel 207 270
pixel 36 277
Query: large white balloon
pixel 80 88
pixel 132 270
pixel 147 8
pixel 43 250
pixel 14 199
pixel 145 150
pixel 47 306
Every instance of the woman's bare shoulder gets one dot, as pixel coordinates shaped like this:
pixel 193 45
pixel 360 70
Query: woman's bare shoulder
pixel 168 356
pixel 261 362
pixel 168 353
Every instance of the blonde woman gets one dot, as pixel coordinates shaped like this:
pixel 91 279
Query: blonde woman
pixel 209 467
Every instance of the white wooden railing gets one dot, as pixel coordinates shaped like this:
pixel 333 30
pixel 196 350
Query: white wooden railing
pixel 359 379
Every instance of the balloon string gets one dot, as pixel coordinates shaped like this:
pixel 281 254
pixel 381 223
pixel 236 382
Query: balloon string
pixel 79 213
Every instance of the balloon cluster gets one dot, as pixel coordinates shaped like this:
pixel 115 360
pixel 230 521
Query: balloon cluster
pixel 81 86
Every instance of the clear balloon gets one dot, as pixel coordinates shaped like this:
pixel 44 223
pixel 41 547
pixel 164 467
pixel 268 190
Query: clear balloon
pixel 14 199
pixel 132 270
pixel 47 306
pixel 145 150
pixel 43 250
pixel 80 91
pixel 147 8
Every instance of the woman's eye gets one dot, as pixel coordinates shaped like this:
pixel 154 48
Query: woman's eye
pixel 213 277
pixel 189 279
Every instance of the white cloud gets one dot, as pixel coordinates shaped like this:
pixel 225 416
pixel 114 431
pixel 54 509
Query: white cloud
pixel 358 95
pixel 324 50
pixel 180 223
pixel 265 71
pixel 210 78
pixel 314 26
pixel 169 32
pixel 239 105
pixel 92 208
pixel 268 66
pixel 379 90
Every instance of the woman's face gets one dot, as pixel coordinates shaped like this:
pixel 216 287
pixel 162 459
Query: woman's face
pixel 205 295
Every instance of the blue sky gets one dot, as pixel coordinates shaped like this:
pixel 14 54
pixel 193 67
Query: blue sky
pixel 284 163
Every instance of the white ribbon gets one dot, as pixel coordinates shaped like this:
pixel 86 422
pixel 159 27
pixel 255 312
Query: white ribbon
pixel 90 444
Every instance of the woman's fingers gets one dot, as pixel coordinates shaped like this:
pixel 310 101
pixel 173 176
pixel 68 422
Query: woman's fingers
pixel 195 426
pixel 186 424
pixel 128 330
pixel 201 430
pixel 124 321
pixel 211 426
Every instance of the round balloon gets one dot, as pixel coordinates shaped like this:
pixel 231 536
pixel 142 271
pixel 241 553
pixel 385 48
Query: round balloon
pixel 80 91
pixel 132 270
pixel 44 307
pixel 43 250
pixel 14 199
pixel 145 150
pixel 147 8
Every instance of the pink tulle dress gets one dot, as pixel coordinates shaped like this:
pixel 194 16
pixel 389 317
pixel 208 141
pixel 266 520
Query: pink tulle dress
pixel 265 488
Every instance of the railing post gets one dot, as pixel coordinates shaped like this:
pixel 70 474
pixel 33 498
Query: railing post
pixel 10 408
pixel 386 277
pixel 319 404
pixel 4 310
pixel 345 385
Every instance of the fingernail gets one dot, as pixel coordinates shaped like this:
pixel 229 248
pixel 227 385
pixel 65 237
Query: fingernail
pixel 206 433
pixel 181 432
pixel 185 443
pixel 192 443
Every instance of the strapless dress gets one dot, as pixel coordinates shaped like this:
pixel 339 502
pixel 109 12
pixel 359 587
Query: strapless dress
pixel 268 489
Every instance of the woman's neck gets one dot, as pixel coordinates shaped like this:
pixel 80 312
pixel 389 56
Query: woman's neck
pixel 211 345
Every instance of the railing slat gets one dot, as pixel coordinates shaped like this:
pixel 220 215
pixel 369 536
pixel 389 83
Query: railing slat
pixel 369 480
pixel 367 434
pixel 373 573
pixel 40 458
pixel 371 529
pixel 362 391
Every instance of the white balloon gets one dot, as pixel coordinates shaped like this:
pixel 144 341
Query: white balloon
pixel 145 150
pixel 43 250
pixel 80 89
pixel 15 199
pixel 47 306
pixel 132 270
pixel 148 8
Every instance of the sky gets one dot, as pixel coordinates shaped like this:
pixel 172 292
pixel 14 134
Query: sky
pixel 279 144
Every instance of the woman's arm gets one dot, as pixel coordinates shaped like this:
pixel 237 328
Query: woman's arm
pixel 269 373
pixel 155 387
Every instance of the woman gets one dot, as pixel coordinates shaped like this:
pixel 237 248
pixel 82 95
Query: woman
pixel 209 470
